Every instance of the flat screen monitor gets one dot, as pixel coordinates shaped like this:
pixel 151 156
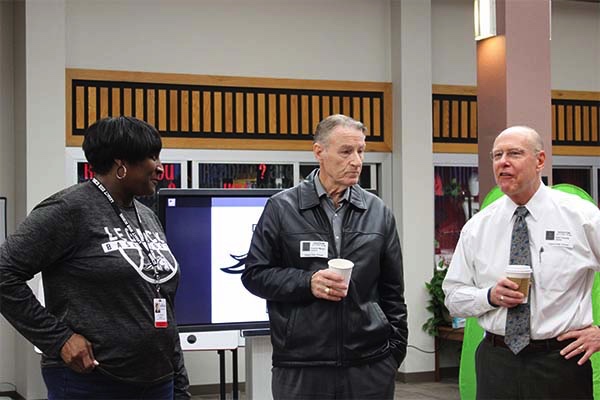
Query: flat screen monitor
pixel 209 232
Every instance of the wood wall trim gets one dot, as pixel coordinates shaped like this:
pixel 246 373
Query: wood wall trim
pixel 455 148
pixel 219 112
pixel 556 94
pixel 575 151
pixel 575 95
pixel 217 80
pixel 454 89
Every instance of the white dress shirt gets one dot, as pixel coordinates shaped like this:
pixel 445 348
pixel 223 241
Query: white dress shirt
pixel 564 238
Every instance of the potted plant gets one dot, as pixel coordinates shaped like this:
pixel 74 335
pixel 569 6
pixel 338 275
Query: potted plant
pixel 453 188
pixel 441 315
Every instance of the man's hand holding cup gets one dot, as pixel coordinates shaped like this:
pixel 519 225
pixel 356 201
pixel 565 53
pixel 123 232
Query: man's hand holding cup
pixel 328 285
pixel 514 289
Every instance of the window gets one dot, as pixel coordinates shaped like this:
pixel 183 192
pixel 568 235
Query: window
pixel 575 176
pixel 245 176
pixel 456 200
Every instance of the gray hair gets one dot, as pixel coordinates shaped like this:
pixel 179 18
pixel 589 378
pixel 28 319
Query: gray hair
pixel 327 125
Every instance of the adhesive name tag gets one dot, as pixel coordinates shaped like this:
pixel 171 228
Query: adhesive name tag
pixel 309 248
pixel 559 238
pixel 160 313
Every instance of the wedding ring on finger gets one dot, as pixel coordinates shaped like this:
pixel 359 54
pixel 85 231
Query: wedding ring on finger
pixel 501 298
pixel 327 290
pixel 581 348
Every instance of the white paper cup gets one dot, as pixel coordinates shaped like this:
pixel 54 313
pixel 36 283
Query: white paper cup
pixel 521 275
pixel 343 267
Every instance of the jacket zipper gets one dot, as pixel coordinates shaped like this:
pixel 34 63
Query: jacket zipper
pixel 342 304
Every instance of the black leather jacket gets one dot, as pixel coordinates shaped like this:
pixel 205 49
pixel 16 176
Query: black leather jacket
pixel 307 331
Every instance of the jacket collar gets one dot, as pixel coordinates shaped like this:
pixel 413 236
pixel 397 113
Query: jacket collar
pixel 309 198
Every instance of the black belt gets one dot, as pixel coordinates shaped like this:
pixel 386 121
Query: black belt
pixel 534 345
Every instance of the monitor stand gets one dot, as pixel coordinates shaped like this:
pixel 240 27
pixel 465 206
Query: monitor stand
pixel 219 341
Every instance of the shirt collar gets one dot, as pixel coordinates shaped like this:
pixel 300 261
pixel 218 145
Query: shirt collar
pixel 322 192
pixel 534 205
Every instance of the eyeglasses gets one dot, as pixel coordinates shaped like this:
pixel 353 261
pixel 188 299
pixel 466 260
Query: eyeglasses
pixel 512 154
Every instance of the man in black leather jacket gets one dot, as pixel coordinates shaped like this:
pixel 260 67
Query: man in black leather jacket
pixel 331 341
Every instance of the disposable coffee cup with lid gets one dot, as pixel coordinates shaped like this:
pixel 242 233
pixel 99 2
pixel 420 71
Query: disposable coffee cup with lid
pixel 521 275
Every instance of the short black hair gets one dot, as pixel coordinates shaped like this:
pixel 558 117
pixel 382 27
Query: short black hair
pixel 119 138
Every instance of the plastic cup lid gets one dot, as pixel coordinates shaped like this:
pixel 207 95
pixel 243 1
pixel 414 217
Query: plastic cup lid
pixel 522 269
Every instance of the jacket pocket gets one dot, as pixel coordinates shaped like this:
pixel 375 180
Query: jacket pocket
pixel 379 313
pixel 310 333
pixel 368 331
pixel 279 318
pixel 289 328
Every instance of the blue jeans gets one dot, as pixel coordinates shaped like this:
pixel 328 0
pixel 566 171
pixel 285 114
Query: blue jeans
pixel 64 383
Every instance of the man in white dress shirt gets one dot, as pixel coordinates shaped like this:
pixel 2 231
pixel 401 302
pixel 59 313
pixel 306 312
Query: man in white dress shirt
pixel 564 246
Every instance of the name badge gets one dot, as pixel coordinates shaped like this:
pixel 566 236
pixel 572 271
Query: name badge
pixel 310 249
pixel 160 313
pixel 559 239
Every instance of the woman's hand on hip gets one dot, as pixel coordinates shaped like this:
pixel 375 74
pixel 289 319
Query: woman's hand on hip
pixel 77 353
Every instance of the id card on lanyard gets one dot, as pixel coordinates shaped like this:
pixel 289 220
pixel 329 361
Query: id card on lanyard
pixel 159 303
pixel 160 313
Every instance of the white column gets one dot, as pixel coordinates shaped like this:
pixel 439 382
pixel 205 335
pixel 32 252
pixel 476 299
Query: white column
pixel 413 165
pixel 45 55
pixel 40 131
pixel 7 171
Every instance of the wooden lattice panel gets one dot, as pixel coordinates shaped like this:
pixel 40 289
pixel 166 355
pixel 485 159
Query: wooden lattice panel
pixel 198 111
pixel 575 121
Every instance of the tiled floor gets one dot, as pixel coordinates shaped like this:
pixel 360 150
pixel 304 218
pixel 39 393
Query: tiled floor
pixel 447 389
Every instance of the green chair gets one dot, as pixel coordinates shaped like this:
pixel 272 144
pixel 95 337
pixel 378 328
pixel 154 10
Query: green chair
pixel 473 335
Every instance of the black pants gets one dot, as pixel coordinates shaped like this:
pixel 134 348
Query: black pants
pixel 530 375
pixel 373 381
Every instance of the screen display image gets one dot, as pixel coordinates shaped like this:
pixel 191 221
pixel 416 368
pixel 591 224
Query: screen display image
pixel 209 232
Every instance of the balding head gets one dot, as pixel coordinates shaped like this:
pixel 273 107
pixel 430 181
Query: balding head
pixel 533 138
pixel 518 159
